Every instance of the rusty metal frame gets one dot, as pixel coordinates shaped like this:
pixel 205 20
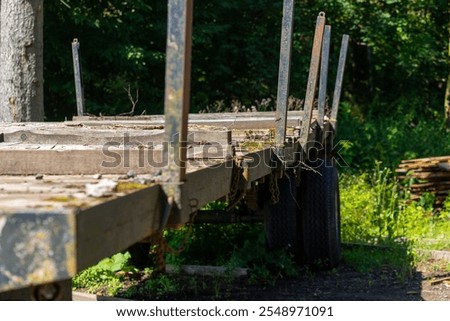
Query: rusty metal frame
pixel 312 80
pixel 339 79
pixel 284 73
pixel 177 93
pixel 79 90
pixel 323 76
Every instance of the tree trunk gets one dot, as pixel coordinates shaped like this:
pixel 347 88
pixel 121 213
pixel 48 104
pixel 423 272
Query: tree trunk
pixel 447 96
pixel 21 60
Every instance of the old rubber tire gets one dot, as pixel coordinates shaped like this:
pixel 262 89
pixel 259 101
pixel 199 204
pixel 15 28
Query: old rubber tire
pixel 140 254
pixel 320 216
pixel 281 219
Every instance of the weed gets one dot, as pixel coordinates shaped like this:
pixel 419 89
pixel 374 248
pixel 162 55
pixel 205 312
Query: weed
pixel 375 210
pixel 107 275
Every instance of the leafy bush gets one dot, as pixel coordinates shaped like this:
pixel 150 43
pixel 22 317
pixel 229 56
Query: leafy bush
pixel 388 139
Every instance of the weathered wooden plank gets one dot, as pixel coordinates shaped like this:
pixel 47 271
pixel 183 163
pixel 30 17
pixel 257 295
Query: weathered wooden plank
pixel 70 160
pixel 247 120
pixel 67 135
pixel 36 247
pixel 261 164
pixel 108 228
pixel 204 185
pixel 80 162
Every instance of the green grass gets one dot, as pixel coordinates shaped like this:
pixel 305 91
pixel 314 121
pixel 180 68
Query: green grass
pixel 376 209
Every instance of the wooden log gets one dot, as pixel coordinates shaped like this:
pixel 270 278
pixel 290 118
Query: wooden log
pixel 207 270
pixel 426 159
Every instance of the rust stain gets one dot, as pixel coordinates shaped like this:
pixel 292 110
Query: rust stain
pixel 70 247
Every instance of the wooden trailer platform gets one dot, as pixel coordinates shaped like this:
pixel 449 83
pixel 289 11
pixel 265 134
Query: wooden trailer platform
pixel 72 193
pixel 52 222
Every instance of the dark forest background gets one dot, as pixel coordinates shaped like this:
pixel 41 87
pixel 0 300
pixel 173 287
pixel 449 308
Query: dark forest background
pixel 394 87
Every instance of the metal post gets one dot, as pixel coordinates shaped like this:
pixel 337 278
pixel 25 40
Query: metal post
pixel 339 78
pixel 323 76
pixel 78 77
pixel 177 93
pixel 312 79
pixel 284 72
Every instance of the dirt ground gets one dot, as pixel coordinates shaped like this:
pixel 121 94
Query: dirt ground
pixel 430 282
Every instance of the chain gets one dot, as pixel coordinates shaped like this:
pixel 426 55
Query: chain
pixel 274 189
pixel 162 248
pixel 297 172
pixel 235 180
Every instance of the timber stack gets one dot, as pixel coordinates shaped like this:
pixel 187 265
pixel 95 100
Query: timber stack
pixel 431 175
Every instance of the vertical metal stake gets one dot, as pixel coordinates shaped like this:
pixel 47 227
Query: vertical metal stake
pixel 339 78
pixel 177 93
pixel 323 75
pixel 78 77
pixel 312 79
pixel 284 72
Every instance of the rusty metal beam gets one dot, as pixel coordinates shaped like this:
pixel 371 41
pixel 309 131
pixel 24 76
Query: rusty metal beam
pixel 284 72
pixel 339 79
pixel 78 77
pixel 312 79
pixel 323 76
pixel 177 92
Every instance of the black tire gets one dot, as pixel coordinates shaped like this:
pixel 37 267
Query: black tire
pixel 140 254
pixel 281 219
pixel 320 216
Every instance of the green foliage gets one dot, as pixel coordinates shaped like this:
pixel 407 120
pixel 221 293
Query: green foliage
pixel 389 139
pixel 107 275
pixel 156 286
pixel 397 56
pixel 122 43
pixel 375 210
pixel 232 245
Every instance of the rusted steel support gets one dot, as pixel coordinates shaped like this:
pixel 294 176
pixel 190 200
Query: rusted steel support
pixel 312 79
pixel 323 76
pixel 78 77
pixel 339 78
pixel 177 93
pixel 284 73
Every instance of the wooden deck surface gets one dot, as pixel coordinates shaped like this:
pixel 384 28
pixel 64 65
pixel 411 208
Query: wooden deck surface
pixel 51 228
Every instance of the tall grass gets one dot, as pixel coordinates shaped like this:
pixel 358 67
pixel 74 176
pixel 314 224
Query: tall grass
pixel 376 209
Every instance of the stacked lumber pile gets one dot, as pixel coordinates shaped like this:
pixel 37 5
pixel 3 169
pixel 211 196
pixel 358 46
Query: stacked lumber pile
pixel 432 175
